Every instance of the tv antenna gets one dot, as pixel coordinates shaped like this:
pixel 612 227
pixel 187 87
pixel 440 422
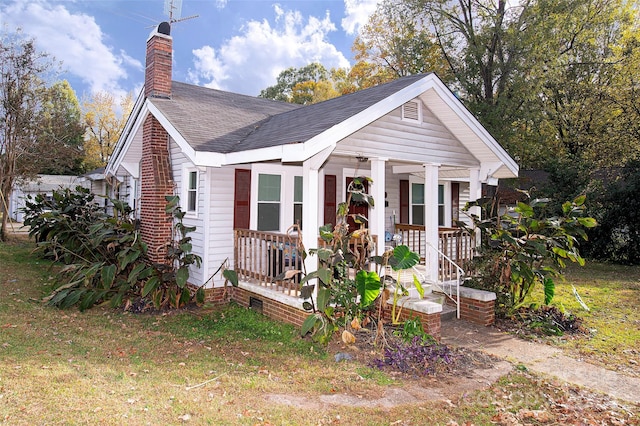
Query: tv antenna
pixel 173 9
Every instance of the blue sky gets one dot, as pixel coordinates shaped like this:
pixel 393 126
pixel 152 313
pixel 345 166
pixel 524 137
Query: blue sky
pixel 235 45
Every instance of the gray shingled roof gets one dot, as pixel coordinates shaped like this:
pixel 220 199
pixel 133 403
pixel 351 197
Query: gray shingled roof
pixel 223 122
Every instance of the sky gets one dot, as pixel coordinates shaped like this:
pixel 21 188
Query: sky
pixel 235 45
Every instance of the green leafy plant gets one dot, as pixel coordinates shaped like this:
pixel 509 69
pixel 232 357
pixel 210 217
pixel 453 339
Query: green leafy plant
pixel 105 260
pixel 523 248
pixel 341 298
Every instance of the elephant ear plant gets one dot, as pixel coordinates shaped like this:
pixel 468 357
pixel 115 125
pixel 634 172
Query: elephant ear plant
pixel 348 288
pixel 105 261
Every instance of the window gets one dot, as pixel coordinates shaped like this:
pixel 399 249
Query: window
pixel 440 205
pixel 417 203
pixel 192 191
pixel 418 207
pixel 268 202
pixel 297 200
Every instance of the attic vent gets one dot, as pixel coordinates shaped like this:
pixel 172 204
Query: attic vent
pixel 411 111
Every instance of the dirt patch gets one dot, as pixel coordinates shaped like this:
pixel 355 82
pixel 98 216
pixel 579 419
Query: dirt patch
pixel 469 371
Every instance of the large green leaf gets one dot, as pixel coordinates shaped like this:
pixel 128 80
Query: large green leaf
pixel 308 324
pixel 549 290
pixel 231 276
pixel 150 285
pixel 324 294
pixel 368 286
pixel 325 274
pixel 107 274
pixel 404 258
pixel 182 275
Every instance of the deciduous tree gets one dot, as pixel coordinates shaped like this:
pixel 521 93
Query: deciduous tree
pixel 105 118
pixel 61 129
pixel 22 71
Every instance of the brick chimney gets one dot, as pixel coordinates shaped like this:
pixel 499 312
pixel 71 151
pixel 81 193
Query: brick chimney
pixel 157 78
pixel 156 180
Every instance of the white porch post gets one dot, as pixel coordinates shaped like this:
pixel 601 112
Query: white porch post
pixel 377 217
pixel 310 215
pixel 475 192
pixel 431 218
pixel 311 205
pixel 475 189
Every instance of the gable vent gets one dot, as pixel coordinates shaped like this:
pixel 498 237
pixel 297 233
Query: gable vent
pixel 411 111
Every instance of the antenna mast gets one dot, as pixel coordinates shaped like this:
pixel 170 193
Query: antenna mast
pixel 173 9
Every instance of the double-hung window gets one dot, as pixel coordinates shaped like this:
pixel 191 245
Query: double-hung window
pixel 297 200
pixel 269 202
pixel 192 191
pixel 189 191
pixel 418 207
pixel 417 203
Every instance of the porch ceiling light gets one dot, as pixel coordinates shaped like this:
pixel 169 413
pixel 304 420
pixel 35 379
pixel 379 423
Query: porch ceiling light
pixel 362 159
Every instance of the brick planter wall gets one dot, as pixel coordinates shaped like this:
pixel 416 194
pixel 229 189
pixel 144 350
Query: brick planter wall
pixel 477 306
pixel 430 322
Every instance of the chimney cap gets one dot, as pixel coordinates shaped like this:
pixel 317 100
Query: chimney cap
pixel 164 28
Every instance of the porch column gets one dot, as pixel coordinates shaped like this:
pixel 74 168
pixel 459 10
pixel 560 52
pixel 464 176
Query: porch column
pixel 377 216
pixel 475 189
pixel 431 218
pixel 475 193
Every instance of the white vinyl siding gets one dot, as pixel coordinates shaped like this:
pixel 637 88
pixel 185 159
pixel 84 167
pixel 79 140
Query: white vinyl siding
pixel 181 167
pixel 391 136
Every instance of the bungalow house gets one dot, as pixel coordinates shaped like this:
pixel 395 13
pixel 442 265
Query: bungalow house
pixel 248 168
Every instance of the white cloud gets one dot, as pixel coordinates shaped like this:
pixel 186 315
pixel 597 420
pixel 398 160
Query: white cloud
pixel 251 61
pixel 74 39
pixel 357 14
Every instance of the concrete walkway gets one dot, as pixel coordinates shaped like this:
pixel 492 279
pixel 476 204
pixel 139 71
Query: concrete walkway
pixel 541 358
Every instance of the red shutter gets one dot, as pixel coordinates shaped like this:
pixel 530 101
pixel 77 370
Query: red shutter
pixel 330 203
pixel 455 202
pixel 242 198
pixel 404 201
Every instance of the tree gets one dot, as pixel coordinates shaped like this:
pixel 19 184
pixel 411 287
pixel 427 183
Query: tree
pixel 105 120
pixel 396 42
pixel 547 78
pixel 22 87
pixel 294 84
pixel 61 129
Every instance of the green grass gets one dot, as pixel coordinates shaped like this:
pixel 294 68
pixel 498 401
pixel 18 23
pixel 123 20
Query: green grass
pixel 207 366
pixel 612 294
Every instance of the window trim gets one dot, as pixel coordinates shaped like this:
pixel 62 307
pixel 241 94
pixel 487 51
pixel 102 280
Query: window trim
pixel 446 186
pixel 186 190
pixel 287 175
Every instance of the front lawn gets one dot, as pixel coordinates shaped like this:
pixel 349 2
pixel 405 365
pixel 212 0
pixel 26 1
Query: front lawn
pixel 223 366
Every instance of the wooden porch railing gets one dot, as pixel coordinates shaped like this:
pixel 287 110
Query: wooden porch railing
pixel 264 257
pixel 454 243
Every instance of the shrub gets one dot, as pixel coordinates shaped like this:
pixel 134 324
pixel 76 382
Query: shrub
pixel 104 256
pixel 523 248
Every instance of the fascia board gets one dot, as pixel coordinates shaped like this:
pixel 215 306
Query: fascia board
pixel 131 128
